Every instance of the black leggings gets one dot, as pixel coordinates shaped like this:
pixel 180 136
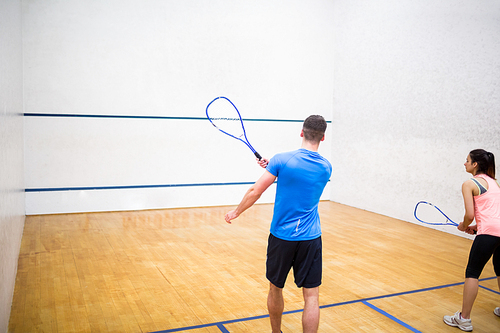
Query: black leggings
pixel 483 247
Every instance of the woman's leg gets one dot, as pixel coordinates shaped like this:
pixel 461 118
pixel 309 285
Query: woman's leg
pixel 483 247
pixel 471 287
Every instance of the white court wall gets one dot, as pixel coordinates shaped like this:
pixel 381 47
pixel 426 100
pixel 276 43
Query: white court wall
pixel 416 87
pixel 272 58
pixel 12 202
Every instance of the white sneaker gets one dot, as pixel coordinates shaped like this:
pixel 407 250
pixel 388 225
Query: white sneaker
pixel 457 321
pixel 497 311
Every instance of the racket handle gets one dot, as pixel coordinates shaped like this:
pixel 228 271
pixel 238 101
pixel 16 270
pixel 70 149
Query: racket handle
pixel 258 155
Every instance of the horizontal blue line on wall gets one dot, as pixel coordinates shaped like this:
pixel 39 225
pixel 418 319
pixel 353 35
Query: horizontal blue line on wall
pixel 127 187
pixel 66 115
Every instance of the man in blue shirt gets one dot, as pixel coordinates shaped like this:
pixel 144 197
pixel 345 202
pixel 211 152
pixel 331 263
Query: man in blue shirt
pixel 295 235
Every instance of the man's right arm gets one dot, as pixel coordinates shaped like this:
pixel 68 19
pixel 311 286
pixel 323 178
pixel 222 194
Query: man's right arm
pixel 253 194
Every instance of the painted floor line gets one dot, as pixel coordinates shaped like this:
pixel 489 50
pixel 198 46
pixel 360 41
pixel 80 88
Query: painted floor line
pixel 365 301
pixel 400 322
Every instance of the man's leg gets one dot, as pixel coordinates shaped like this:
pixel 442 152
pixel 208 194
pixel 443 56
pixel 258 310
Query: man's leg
pixel 275 306
pixel 310 316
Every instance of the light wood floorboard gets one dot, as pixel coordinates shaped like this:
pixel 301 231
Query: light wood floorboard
pixel 166 269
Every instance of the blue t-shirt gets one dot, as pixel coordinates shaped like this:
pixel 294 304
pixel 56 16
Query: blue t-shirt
pixel 302 176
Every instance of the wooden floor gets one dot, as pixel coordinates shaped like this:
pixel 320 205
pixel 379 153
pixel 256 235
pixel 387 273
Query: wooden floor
pixel 186 270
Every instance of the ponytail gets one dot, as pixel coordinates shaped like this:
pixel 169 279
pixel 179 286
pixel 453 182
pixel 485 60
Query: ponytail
pixel 491 165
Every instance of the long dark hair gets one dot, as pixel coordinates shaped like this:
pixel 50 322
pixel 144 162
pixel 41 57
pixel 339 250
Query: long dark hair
pixel 485 162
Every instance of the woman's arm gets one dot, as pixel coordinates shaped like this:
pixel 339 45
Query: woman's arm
pixel 468 194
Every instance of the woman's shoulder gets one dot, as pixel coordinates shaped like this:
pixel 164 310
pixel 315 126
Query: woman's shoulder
pixel 470 186
pixel 469 181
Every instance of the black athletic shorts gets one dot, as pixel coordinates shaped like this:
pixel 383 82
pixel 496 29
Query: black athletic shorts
pixel 304 256
pixel 483 247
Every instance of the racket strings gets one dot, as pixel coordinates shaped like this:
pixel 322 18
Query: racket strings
pixel 428 213
pixel 225 117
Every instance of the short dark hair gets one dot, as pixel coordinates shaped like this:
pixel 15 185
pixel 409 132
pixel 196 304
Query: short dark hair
pixel 314 128
pixel 485 161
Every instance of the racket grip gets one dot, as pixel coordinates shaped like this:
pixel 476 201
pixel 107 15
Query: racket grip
pixel 258 155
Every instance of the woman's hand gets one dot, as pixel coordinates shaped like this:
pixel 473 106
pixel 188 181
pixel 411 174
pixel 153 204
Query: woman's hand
pixel 472 230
